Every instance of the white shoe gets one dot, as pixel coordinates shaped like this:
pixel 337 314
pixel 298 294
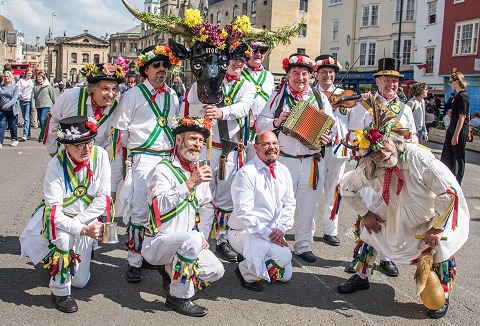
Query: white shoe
pixel 1 146
pixel 14 143
pixel 23 138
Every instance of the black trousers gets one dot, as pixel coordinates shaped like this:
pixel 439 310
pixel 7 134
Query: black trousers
pixel 453 156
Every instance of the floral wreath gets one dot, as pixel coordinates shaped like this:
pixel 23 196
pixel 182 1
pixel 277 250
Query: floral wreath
pixel 73 133
pixel 116 70
pixel 159 50
pixel 298 59
pixel 329 61
pixel 191 121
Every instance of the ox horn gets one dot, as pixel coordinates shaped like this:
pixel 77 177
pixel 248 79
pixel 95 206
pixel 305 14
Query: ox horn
pixel 129 7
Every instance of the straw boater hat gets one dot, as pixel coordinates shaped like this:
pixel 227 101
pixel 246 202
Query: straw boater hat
pixel 181 125
pixel 327 61
pixel 76 129
pixel 387 67
pixel 94 72
pixel 298 60
pixel 155 53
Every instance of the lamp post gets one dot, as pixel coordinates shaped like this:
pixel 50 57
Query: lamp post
pixel 399 34
pixel 53 15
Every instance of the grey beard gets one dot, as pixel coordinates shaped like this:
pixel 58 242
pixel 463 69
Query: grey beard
pixel 188 155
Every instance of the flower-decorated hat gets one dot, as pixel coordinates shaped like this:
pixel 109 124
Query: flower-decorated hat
pixel 77 129
pixel 155 53
pixel 181 125
pixel 258 45
pixel 326 60
pixel 95 72
pixel 237 55
pixel 387 67
pixel 298 60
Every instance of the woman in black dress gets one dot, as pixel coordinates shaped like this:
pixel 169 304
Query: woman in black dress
pixel 453 153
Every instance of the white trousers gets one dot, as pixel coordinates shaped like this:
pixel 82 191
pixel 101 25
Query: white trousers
pixel 334 169
pixel 306 199
pixel 281 255
pixel 139 216
pixel 82 246
pixel 221 191
pixel 161 250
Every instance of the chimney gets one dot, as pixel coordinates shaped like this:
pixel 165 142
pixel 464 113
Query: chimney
pixel 37 41
pixel 85 31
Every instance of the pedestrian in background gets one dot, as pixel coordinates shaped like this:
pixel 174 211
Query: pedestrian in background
pixel 43 97
pixel 25 85
pixel 8 109
pixel 179 88
pixel 419 92
pixel 447 118
pixel 131 82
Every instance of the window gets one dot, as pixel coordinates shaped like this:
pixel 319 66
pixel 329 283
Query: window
pixel 235 11
pixel 254 7
pixel 367 53
pixel 466 37
pixel 244 8
pixel 406 53
pixel 335 55
pixel 408 13
pixel 219 17
pixel 432 12
pixel 133 47
pixel 301 50
pixel 458 1
pixel 304 5
pixel 303 31
pixel 334 2
pixel 211 18
pixel 85 57
pixel 335 26
pixel 429 60
pixel 155 9
pixel 370 15
pixel 96 58
pixel 74 58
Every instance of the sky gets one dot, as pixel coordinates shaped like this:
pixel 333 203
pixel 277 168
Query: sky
pixel 34 17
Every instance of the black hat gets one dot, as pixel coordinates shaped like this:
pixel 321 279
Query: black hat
pixel 181 125
pixel 94 72
pixel 155 53
pixel 298 60
pixel 387 67
pixel 76 129
pixel 326 60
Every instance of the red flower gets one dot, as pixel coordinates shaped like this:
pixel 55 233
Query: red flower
pixel 285 63
pixel 91 125
pixel 374 136
pixel 300 59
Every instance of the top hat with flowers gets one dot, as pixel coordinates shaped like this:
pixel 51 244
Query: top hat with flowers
pixel 298 60
pixel 155 53
pixel 239 54
pixel 77 129
pixel 387 67
pixel 327 61
pixel 181 125
pixel 95 72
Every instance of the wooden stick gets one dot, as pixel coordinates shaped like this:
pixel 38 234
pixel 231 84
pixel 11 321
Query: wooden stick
pixel 423 237
pixel 209 146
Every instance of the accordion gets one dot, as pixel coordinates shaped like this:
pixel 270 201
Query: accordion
pixel 306 124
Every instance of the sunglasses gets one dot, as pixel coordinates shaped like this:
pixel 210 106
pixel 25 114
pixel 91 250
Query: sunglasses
pixel 451 81
pixel 165 64
pixel 262 51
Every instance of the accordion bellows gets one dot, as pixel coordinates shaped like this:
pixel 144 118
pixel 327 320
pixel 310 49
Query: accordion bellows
pixel 306 124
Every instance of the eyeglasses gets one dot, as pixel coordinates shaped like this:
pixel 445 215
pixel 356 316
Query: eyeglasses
pixel 165 64
pixel 262 51
pixel 82 146
pixel 267 145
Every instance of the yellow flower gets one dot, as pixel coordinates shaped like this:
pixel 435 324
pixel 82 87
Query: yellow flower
pixel 243 23
pixel 192 17
pixel 223 33
pixel 160 49
pixel 360 141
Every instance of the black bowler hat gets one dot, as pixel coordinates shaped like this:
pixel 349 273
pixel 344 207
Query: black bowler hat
pixel 76 129
pixel 298 60
pixel 196 124
pixel 387 67
pixel 155 53
pixel 327 61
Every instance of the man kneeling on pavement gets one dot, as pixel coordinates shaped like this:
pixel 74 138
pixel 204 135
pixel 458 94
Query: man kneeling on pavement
pixel 177 189
pixel 264 206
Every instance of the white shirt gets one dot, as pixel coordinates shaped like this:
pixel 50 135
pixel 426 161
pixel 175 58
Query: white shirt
pixel 26 87
pixel 135 116
pixel 261 202
pixel 418 108
pixel 288 144
pixel 268 87
pixel 169 192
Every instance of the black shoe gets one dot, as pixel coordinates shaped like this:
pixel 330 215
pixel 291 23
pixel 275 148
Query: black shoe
pixel 185 306
pixel 388 268
pixel 353 284
pixel 134 274
pixel 226 252
pixel 435 314
pixel 240 258
pixel 166 280
pixel 147 265
pixel 350 268
pixel 331 240
pixel 253 286
pixel 308 256
pixel 64 303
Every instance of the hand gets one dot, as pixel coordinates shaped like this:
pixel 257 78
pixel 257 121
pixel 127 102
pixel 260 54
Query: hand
pixel 372 222
pixel 454 140
pixel 212 112
pixel 33 110
pixel 283 116
pixel 199 175
pixel 94 231
pixel 113 195
pixel 425 137
pixel 433 237
pixel 205 244
pixel 364 96
pixel 326 138
pixel 277 237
